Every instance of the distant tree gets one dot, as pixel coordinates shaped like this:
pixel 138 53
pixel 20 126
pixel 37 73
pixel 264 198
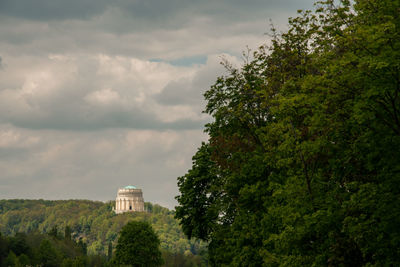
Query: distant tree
pixel 138 245
pixel 109 254
pixel 24 260
pixel 11 259
pixel 67 232
pixel 4 246
pixel 54 231
pixel 18 244
pixel 83 246
pixel 47 254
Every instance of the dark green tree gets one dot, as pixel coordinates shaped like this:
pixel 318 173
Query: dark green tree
pixel 54 232
pixel 109 252
pixel 302 165
pixel 67 233
pixel 82 246
pixel 138 245
pixel 19 245
pixel 48 255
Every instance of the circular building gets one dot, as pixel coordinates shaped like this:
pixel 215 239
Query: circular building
pixel 129 199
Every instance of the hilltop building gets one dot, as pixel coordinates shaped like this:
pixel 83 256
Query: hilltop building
pixel 129 199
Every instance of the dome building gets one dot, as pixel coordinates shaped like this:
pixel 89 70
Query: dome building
pixel 129 199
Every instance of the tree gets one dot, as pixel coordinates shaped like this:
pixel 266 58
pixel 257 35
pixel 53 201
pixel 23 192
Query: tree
pixel 302 165
pixel 109 252
pixel 47 254
pixel 54 232
pixel 138 245
pixel 67 233
pixel 19 245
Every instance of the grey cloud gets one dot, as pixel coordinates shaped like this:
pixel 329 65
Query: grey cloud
pixel 169 30
pixel 152 9
pixel 191 91
pixel 74 114
pixel 178 93
pixel 130 120
pixel 87 94
pixel 93 165
pixel 52 9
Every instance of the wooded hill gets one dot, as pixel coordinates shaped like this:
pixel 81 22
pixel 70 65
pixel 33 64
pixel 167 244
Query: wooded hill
pixel 92 222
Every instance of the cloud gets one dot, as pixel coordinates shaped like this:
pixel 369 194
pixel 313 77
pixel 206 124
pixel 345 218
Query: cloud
pixel 61 165
pixel 92 92
pixel 167 30
pixel 157 10
pixel 190 90
pixel 52 10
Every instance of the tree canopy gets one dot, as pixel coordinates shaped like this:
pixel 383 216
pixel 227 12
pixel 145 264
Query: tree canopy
pixel 138 245
pixel 302 165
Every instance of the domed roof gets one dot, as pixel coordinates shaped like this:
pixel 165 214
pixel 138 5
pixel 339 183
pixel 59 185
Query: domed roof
pixel 130 187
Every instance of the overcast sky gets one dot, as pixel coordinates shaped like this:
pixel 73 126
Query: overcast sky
pixel 99 94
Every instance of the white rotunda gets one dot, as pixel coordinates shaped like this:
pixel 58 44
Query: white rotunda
pixel 129 199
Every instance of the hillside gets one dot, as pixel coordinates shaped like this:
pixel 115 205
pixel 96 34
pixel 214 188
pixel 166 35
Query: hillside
pixel 92 222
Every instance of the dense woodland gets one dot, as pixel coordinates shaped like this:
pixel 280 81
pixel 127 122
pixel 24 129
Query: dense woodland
pixel 302 164
pixel 83 231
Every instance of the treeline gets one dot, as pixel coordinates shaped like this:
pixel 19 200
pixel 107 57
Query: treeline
pixel 302 165
pixel 95 226
pixel 36 249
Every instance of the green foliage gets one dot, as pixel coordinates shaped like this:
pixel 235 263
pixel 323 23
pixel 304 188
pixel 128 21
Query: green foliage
pixel 302 165
pixel 67 232
pixel 197 185
pixel 34 249
pixel 89 228
pixel 138 245
pixel 109 251
pixel 47 254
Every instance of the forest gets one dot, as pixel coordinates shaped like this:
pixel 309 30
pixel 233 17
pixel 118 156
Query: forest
pixel 84 233
pixel 302 163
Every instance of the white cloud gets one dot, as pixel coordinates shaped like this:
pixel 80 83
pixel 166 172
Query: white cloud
pixel 87 91
pixel 103 97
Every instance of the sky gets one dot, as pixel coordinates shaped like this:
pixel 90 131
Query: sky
pixel 97 94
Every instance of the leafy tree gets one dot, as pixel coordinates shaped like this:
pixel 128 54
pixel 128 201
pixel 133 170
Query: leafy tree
pixel 82 246
pixel 303 159
pixel 110 249
pixel 19 244
pixel 198 182
pixel 11 260
pixel 67 233
pixel 54 232
pixel 24 260
pixel 4 247
pixel 47 254
pixel 138 245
